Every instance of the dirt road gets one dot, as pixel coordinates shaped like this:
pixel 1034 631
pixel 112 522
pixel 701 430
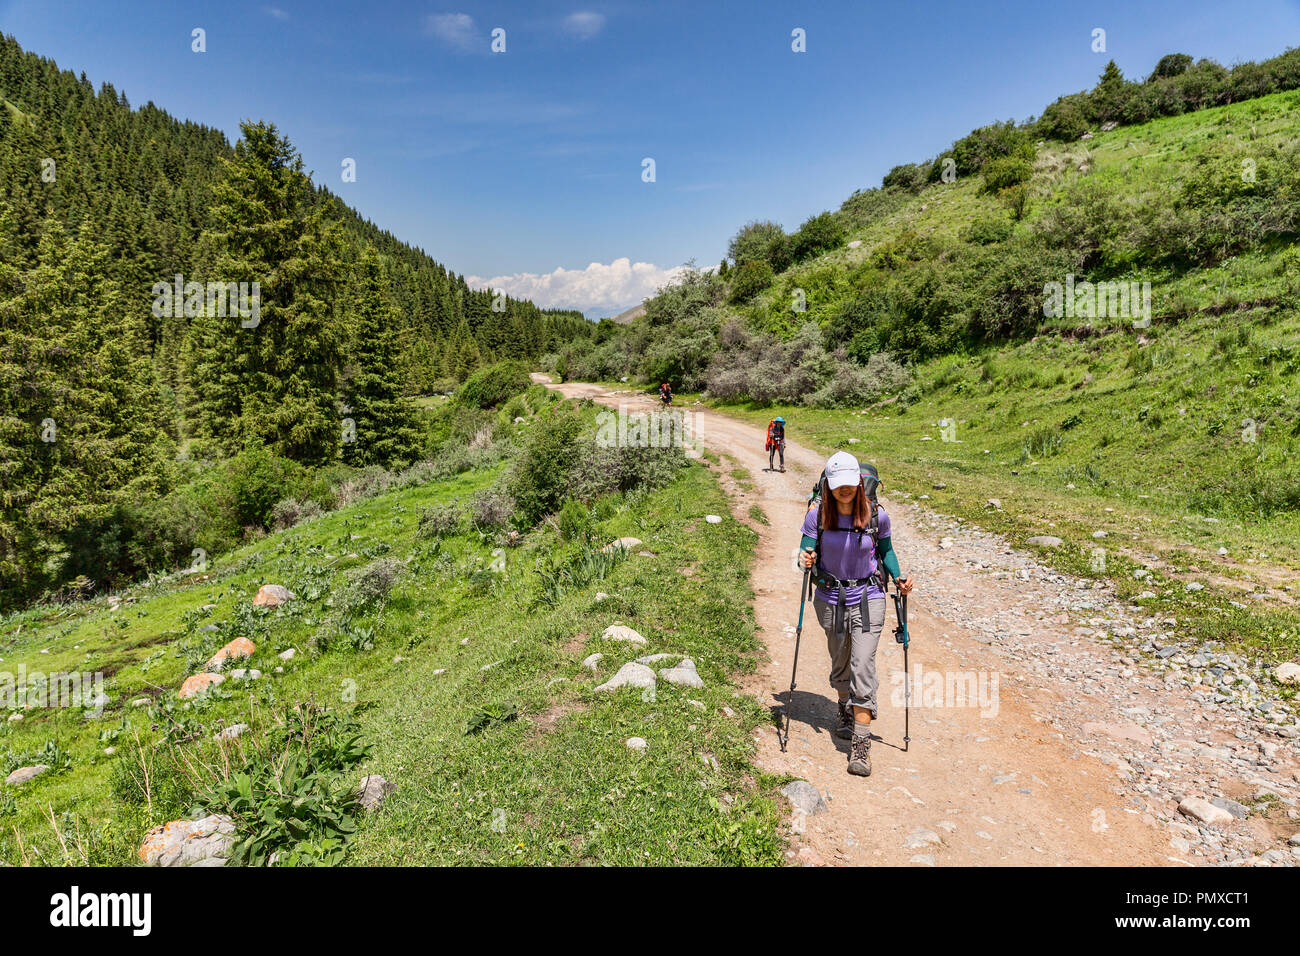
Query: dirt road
pixel 1034 741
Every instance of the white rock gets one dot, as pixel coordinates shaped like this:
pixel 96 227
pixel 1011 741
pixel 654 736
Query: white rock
pixel 683 674
pixel 628 543
pixel 1286 673
pixel 231 732
pixel 623 634
pixel 713 519
pixel 205 842
pixel 636 743
pixel 804 796
pixel 288 655
pixel 273 595
pixel 23 774
pixel 655 658
pixel 630 674
pixel 592 661
pixel 374 790
pixel 1204 811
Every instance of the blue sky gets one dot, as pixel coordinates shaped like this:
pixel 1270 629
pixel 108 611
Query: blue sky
pixel 525 167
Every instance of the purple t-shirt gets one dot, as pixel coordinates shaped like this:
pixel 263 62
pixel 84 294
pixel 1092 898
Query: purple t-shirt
pixel 846 556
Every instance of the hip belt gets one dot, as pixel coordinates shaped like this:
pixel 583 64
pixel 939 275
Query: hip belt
pixel 840 586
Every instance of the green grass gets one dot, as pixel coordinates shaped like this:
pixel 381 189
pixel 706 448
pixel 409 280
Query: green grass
pixel 554 785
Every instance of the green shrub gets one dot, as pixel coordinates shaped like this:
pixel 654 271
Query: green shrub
pixel 1005 172
pixel 491 508
pixel 490 386
pixel 368 586
pixel 440 521
pixel 983 145
pixel 910 176
pixel 760 241
pixel 680 352
pixel 749 279
pixel 820 233
pixel 576 521
pixel 538 478
pixel 254 480
pixel 986 230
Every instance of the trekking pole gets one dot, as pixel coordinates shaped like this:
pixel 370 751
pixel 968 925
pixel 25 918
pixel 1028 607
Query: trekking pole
pixel 900 635
pixel 789 704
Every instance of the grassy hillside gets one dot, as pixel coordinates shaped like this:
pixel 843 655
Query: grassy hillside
pixel 440 652
pixel 1176 437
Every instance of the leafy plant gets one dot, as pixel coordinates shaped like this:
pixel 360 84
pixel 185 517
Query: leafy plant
pixel 490 716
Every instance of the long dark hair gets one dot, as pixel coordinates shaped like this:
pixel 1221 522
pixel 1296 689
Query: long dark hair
pixel 861 508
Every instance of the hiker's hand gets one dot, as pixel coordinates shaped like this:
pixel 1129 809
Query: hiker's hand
pixel 905 585
pixel 808 557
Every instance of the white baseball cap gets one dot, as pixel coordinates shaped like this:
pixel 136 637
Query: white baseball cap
pixel 842 469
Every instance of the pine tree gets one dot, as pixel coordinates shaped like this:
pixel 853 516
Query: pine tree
pixel 384 419
pixel 271 376
pixel 81 428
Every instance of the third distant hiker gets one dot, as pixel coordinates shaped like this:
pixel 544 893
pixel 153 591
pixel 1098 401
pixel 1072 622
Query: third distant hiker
pixel 847 541
pixel 666 394
pixel 775 442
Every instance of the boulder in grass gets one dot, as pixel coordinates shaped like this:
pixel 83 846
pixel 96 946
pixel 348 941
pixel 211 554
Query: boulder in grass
pixel 623 634
pixel 23 774
pixel 273 595
pixel 240 647
pixel 197 684
pixel 630 674
pixel 374 790
pixel 205 842
pixel 625 543
pixel 1045 541
pixel 684 674
pixel 1287 673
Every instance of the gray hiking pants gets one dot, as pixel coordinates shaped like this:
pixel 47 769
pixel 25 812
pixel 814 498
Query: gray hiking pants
pixel 853 657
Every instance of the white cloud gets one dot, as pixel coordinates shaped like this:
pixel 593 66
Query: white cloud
pixel 584 24
pixel 454 28
pixel 597 288
pixel 276 12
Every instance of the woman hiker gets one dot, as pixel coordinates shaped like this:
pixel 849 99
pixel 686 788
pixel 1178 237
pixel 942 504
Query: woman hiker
pixel 846 554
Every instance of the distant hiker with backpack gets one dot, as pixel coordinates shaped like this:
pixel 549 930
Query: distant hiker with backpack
pixel 846 544
pixel 775 442
pixel 666 394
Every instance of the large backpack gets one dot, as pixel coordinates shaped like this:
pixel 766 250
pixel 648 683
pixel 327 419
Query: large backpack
pixel 870 484
pixel 771 428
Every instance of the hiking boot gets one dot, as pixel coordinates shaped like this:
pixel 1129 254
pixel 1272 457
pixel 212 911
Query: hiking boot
pixel 844 728
pixel 860 755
